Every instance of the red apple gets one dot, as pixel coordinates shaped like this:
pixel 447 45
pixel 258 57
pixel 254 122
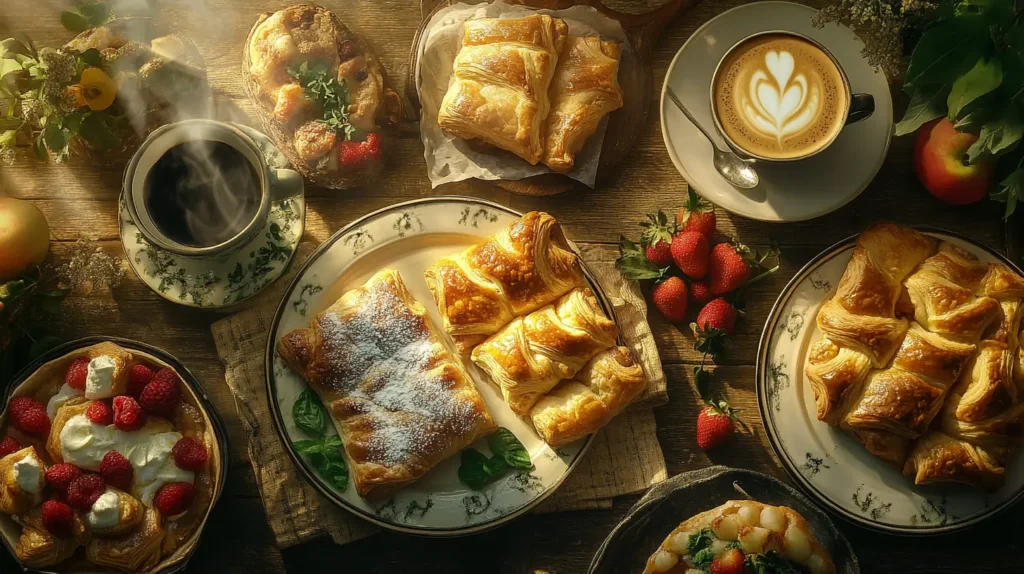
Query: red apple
pixel 24 237
pixel 939 158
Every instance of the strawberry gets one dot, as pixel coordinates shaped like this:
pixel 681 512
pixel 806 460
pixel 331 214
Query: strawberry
pixel 58 519
pixel 77 373
pixel 128 415
pixel 634 263
pixel 85 490
pixel 138 377
pixel 697 214
pixel 60 475
pixel 117 471
pixel 690 253
pixel 9 446
pixel 728 268
pixel 718 314
pixel 189 454
pixel 99 412
pixel 174 498
pixel 657 238
pixel 670 298
pixel 659 254
pixel 700 292
pixel 729 562
pixel 29 416
pixel 352 153
pixel 714 424
pixel 162 395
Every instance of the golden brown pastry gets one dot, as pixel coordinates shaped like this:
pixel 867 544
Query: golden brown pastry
pixel 37 548
pixel 499 88
pixel 22 480
pixel 858 322
pixel 399 399
pixel 137 552
pixel 947 296
pixel 578 407
pixel 755 529
pixel 533 353
pixel 524 267
pixel 584 90
pixel 108 371
pixel 114 514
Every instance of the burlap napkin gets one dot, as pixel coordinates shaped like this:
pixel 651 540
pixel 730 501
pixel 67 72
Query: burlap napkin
pixel 624 459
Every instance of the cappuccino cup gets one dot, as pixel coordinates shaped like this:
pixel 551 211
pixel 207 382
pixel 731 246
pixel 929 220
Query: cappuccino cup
pixel 778 96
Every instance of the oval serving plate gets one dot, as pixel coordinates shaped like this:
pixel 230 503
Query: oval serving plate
pixel 654 516
pixel 828 463
pixel 409 237
pixel 178 561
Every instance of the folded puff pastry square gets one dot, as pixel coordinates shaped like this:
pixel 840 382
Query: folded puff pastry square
pixel 499 88
pixel 399 399
pixel 584 90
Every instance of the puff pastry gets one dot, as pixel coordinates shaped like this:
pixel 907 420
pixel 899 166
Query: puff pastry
pixel 599 391
pixel 524 267
pixel 754 528
pixel 499 88
pixel 22 479
pixel 584 90
pixel 399 399
pixel 139 551
pixel 37 548
pixel 533 353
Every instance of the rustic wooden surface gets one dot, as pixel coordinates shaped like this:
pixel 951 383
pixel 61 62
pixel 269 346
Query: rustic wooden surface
pixel 80 201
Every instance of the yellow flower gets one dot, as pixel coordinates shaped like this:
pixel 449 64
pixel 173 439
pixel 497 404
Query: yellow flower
pixel 99 88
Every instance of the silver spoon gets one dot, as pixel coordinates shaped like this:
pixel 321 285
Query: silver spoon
pixel 733 168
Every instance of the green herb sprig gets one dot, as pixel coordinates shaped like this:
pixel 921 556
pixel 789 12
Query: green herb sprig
pixel 322 87
pixel 477 470
pixel 323 452
pixel 86 16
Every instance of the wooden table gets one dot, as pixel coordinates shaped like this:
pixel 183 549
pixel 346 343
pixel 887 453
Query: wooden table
pixel 80 201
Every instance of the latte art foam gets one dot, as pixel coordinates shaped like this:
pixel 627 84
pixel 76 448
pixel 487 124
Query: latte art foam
pixel 780 96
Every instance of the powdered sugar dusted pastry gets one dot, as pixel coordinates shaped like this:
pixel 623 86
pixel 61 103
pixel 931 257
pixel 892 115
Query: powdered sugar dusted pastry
pixel 400 400
pixel 765 535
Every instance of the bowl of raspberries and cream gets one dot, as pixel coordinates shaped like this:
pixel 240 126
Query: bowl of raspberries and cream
pixel 110 461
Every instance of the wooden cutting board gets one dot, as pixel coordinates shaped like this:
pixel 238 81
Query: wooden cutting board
pixel 624 124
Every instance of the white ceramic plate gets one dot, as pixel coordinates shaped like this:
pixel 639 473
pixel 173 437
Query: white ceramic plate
pixel 787 192
pixel 409 237
pixel 828 463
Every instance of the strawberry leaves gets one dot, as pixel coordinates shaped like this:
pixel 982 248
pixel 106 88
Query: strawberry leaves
pixel 633 263
pixel 694 204
pixel 657 228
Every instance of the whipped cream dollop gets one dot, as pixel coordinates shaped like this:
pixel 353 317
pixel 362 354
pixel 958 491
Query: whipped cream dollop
pixel 28 474
pixel 99 382
pixel 84 444
pixel 106 512
pixel 58 400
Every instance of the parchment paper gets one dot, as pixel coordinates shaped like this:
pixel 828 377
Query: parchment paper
pixel 452 159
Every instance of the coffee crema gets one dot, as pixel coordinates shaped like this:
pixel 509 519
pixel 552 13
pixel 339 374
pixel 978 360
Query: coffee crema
pixel 779 96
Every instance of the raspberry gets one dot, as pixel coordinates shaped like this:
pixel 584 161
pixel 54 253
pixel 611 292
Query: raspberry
pixel 352 153
pixel 59 477
pixel 162 394
pixel 77 373
pixel 9 446
pixel 189 454
pixel 174 498
pixel 117 471
pixel 29 416
pixel 58 519
pixel 138 377
pixel 85 490
pixel 128 415
pixel 99 412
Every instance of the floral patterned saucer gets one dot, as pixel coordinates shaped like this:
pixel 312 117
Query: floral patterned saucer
pixel 223 281
pixel 828 463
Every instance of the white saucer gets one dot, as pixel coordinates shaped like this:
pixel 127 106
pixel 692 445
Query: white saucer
pixel 220 282
pixel 787 192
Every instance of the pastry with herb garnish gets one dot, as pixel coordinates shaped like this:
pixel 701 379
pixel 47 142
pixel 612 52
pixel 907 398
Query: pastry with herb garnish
pixel 742 536
pixel 321 93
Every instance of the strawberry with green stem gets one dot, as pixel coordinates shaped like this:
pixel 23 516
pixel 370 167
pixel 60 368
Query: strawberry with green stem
pixel 733 265
pixel 716 421
pixel 697 214
pixel 657 238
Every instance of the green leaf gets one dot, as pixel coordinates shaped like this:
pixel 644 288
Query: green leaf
pixel 9 65
pixel 39 147
pixel 700 540
pixel 472 470
pixel 702 380
pixel 308 413
pixel 946 51
pixel 96 131
pixel 51 300
pixel 926 104
pixel 307 446
pixel 703 558
pixel 14 46
pixel 633 263
pixel 1010 190
pixel 95 14
pixel 55 137
pixel 74 21
pixel 997 136
pixel 985 76
pixel 8 138
pixel 495 466
pixel 505 444
pixel 92 56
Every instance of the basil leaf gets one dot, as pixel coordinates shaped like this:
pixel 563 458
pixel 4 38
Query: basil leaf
pixel 505 444
pixel 472 470
pixel 495 466
pixel 74 21
pixel 324 454
pixel 984 77
pixel 703 558
pixel 308 413
pixel 305 447
pixel 699 541
pixel 336 474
